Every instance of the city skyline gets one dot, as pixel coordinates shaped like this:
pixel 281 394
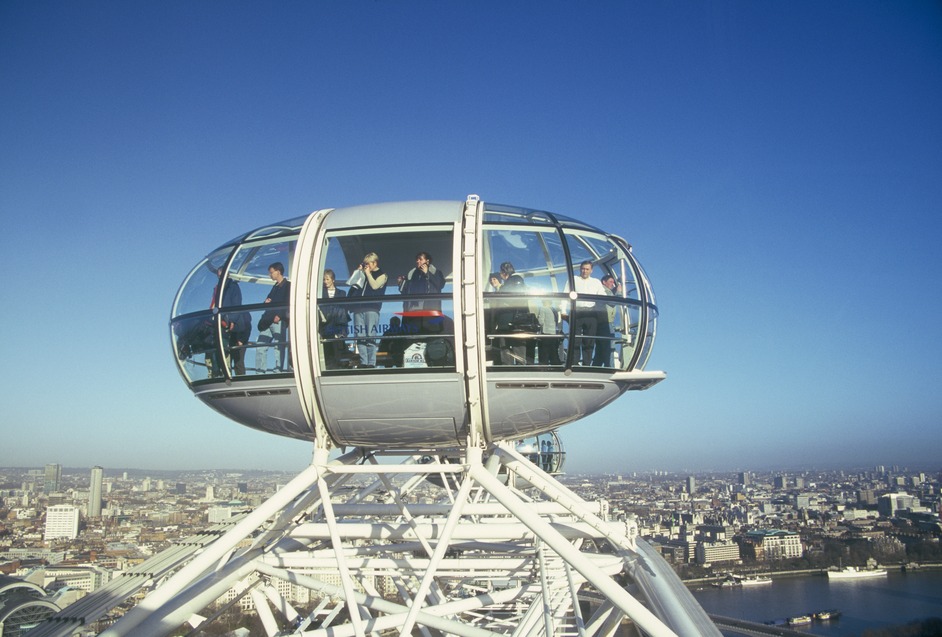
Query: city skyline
pixel 774 166
pixel 717 530
pixel 119 473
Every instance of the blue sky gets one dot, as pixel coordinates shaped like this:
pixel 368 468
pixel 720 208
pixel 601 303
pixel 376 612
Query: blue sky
pixel 777 166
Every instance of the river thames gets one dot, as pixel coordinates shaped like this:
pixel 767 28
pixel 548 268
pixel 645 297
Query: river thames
pixel 898 598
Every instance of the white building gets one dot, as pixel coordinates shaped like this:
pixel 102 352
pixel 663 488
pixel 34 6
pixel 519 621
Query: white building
pixel 890 503
pixel 62 521
pixel 715 552
pixel 87 578
pixel 215 515
pixel 772 544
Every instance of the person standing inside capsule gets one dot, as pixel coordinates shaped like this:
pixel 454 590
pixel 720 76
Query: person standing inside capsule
pixel 587 315
pixel 606 318
pixel 334 321
pixel 236 326
pixel 366 316
pixel 515 351
pixel 272 324
pixel 423 279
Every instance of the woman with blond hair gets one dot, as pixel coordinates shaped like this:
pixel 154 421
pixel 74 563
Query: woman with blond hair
pixel 366 316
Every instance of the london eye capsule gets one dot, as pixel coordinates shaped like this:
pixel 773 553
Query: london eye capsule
pixel 423 324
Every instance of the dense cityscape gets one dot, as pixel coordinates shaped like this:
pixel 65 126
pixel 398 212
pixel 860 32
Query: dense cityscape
pixel 69 531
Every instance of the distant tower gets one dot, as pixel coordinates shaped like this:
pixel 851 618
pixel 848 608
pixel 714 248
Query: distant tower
pixel 53 478
pixel 780 482
pixel 691 484
pixel 745 479
pixel 210 492
pixel 62 521
pixel 94 493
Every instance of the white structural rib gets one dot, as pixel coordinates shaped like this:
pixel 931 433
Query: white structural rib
pixel 473 542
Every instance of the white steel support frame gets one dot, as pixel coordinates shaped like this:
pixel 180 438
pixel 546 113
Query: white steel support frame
pixel 397 548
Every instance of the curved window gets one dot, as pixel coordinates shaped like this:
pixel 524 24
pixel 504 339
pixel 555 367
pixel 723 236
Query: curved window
pixel 556 293
pixel 197 290
pixel 230 318
pixel 648 326
pixel 562 294
pixel 527 273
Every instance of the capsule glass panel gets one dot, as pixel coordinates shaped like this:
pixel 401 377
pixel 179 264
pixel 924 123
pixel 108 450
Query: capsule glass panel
pixel 529 317
pixel 650 324
pixel 225 324
pixel 197 291
pixel 196 344
pixel 526 270
pixel 404 322
pixel 256 338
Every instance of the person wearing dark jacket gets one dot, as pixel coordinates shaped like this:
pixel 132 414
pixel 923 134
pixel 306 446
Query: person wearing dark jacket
pixel 334 322
pixel 514 316
pixel 273 324
pixel 424 279
pixel 236 326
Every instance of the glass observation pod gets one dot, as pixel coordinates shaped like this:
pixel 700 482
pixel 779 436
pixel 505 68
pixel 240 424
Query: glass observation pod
pixel 386 325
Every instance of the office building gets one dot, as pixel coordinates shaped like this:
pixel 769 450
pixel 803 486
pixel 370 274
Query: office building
pixel 87 578
pixel 717 552
pixel 94 492
pixel 215 515
pixel 890 503
pixel 62 521
pixel 53 478
pixel 773 544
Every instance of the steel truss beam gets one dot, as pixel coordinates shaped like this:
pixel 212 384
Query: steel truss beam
pixel 474 543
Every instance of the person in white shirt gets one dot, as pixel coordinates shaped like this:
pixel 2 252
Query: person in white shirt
pixel 587 315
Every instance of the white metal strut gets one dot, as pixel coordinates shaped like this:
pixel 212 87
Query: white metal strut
pixel 472 542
